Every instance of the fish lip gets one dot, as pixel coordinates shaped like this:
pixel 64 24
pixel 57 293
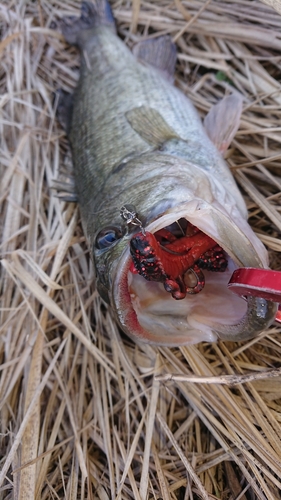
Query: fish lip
pixel 121 298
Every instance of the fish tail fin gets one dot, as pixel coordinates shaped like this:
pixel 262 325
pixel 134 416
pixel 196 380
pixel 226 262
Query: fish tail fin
pixel 93 14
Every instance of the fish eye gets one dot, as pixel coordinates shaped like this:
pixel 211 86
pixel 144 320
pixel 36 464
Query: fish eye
pixel 107 237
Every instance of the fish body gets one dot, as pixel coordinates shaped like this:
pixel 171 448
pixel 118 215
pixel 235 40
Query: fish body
pixel 137 140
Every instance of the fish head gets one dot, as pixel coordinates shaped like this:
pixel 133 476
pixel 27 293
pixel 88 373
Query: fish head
pixel 144 309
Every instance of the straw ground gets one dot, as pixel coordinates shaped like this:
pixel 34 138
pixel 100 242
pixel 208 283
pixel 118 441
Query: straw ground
pixel 86 413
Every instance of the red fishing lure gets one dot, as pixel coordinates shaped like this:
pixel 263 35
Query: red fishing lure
pixel 176 262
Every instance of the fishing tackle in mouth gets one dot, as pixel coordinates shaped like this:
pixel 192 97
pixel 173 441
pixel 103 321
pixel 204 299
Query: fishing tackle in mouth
pixel 160 209
pixel 173 263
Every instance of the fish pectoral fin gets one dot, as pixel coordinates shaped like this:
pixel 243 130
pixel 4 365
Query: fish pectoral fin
pixel 223 120
pixel 65 190
pixel 150 125
pixel 159 53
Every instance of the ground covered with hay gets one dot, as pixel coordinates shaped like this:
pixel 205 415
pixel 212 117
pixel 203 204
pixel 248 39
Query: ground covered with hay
pixel 86 413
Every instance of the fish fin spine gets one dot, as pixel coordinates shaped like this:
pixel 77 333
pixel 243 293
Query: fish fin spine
pixel 160 53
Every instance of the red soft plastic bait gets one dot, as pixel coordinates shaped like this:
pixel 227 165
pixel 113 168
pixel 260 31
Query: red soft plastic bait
pixel 176 261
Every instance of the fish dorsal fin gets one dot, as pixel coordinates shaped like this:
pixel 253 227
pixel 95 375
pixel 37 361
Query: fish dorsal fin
pixel 223 120
pixel 150 125
pixel 159 53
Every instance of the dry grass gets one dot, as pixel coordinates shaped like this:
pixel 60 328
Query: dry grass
pixel 85 413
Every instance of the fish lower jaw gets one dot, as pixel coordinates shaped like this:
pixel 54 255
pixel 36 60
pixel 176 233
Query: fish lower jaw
pixel 188 321
pixel 157 316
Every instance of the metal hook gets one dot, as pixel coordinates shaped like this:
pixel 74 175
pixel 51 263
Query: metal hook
pixel 197 272
pixel 129 214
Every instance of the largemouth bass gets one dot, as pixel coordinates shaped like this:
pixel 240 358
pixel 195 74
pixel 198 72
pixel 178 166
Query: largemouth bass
pixel 151 179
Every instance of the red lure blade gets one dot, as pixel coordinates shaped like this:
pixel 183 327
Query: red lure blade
pixel 262 283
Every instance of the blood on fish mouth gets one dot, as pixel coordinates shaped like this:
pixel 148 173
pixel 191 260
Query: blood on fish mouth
pixel 176 260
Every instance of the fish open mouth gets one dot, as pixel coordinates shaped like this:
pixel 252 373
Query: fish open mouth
pixel 189 318
pixel 151 313
pixel 152 308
